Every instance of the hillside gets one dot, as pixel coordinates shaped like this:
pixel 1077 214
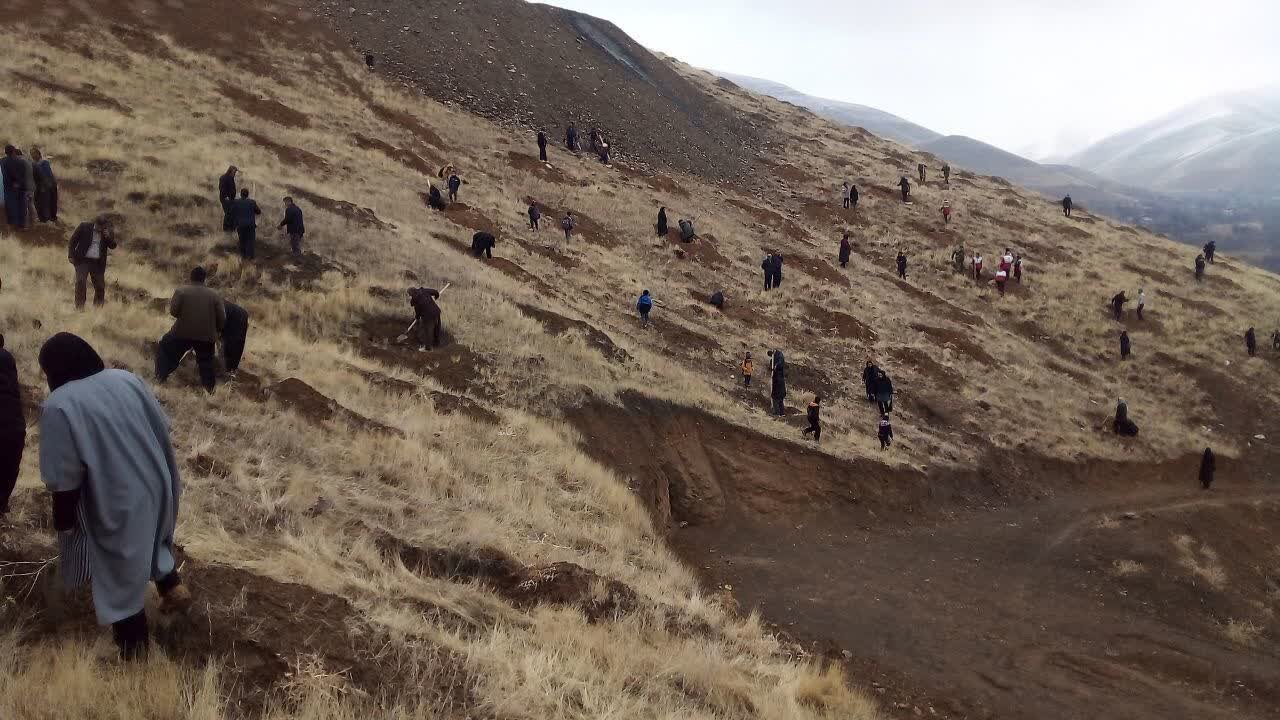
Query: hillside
pixel 1220 144
pixel 561 514
pixel 886 125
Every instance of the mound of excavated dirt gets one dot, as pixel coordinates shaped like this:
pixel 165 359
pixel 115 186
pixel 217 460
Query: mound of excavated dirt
pixel 453 365
pixel 408 158
pixel 362 216
pixel 557 324
pixel 317 408
pixel 562 584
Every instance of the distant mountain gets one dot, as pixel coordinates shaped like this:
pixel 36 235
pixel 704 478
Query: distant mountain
pixel 1229 143
pixel 879 122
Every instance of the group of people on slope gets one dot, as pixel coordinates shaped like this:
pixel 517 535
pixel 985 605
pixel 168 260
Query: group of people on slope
pixel 1009 266
pixel 30 188
pixel 240 215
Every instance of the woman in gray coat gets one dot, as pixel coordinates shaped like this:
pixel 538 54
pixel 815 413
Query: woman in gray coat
pixel 106 457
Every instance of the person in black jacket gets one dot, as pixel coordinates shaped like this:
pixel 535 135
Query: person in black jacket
pixel 455 183
pixel 884 392
pixel 1124 345
pixel 13 427
pixel 245 212
pixel 1117 305
pixel 46 197
pixel 902 265
pixel 853 197
pixel 845 250
pixel 869 375
pixel 766 266
pixel 226 196
pixel 1208 465
pixel 235 331
pixel 542 145
pixel 905 184
pixel 87 252
pixel 1067 204
pixel 778 391
pixel 1251 342
pixel 662 222
pixel 571 138
pixel 777 270
pixel 1210 249
pixel 293 226
pixel 482 244
pixel 435 199
pixel 426 320
pixel 534 216
pixel 815 420
pixel 1200 268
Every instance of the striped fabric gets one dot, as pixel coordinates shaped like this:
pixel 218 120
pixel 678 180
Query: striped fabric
pixel 73 546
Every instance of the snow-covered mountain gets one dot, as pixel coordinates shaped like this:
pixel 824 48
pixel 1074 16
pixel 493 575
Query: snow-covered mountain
pixel 1227 143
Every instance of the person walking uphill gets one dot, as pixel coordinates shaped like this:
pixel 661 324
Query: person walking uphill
pixel 1117 305
pixel 1142 302
pixel 869 375
pixel 902 265
pixel 1208 466
pixel 884 392
pixel 245 212
pixel 200 318
pixel 845 251
pixel 1199 268
pixel 920 168
pixel 542 145
pixel 644 306
pixel 1124 345
pixel 1067 204
pixel 13 427
pixel 1251 342
pixel 844 193
pixel 567 224
pixel 106 455
pixel 87 251
pixel 1210 249
pixel 815 419
pixel 886 432
pixel 905 184
pixel 748 369
pixel 226 196
pixel 11 170
pixel 293 226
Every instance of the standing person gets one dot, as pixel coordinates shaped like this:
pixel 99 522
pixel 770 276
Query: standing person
pixel 644 306
pixel 815 419
pixel 534 216
pixel 886 432
pixel 902 265
pixel 946 212
pixel 777 362
pixel 87 252
pixel 46 198
pixel 28 191
pixel 958 258
pixel 106 456
pixel 845 191
pixel 542 145
pixel 661 227
pixel 1002 279
pixel 1210 248
pixel 1006 261
pixel 921 169
pixel 1208 465
pixel 1117 305
pixel 200 317
pixel 977 266
pixel 1067 204
pixel 426 317
pixel 1017 269
pixel 1200 268
pixel 845 251
pixel 1124 345
pixel 884 392
pixel 13 427
pixel 777 270
pixel 905 184
pixel 767 266
pixel 1275 340
pixel 1251 342
pixel 234 334
pixel 571 138
pixel 11 168
pixel 245 212
pixel 748 368
pixel 1142 301
pixel 293 226
pixel 566 224
pixel 869 375
pixel 946 174
pixel 226 196
pixel 778 390
pixel 853 197
pixel 455 183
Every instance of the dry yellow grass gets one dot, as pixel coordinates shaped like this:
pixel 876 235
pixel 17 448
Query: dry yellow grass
pixel 523 485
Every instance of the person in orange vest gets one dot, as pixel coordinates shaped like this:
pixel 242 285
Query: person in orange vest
pixel 748 368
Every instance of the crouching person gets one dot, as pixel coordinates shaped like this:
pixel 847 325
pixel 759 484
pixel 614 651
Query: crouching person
pixel 200 317
pixel 106 457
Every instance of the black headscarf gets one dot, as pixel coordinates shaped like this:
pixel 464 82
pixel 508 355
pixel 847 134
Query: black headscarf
pixel 66 358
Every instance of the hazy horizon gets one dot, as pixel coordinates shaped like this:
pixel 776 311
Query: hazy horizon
pixel 1039 79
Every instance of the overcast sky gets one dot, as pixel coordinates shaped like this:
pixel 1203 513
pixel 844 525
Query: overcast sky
pixel 1038 77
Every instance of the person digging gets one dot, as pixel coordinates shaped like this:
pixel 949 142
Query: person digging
pixel 425 328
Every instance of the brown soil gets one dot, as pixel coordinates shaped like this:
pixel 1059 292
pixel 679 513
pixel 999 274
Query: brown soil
pixel 288 155
pixel 277 261
pixel 349 211
pixel 557 324
pixel 560 584
pixel 550 252
pixel 1150 275
pixel 445 403
pixel 702 250
pixel 816 269
pixel 169 202
pixel 840 324
pixel 264 108
pixel 545 172
pixel 467 216
pixel 106 168
pixel 409 159
pixel 86 94
pixel 938 307
pixel 307 402
pixel 453 365
pixel 960 340
pixel 1074 232
pixel 585 228
pixel 408 122
pixel 768 218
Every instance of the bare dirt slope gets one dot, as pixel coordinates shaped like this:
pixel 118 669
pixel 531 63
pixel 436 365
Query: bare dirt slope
pixel 560 513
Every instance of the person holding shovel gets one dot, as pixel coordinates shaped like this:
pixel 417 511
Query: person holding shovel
pixel 425 329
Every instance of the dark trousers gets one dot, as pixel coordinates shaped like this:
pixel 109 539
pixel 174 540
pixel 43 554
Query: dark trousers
pixel 779 406
pixel 172 349
pixel 15 207
pixel 453 196
pixel 885 440
pixel 777 280
pixel 131 634
pixel 542 152
pixel 248 241
pixel 486 252
pixel 295 243
pixel 768 280
pixel 96 271
pixel 533 223
pixel 746 381
pixel 905 194
pixel 886 406
pixel 816 429
pixel 1253 350
pixel 427 332
pixel 567 232
pixel 902 273
pixel 228 224
pixel 11 446
pixel 846 203
pixel 1066 211
pixel 47 204
pixel 234 334
pixel 1140 311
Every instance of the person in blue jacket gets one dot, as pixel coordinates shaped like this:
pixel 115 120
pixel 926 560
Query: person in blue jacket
pixel 643 306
